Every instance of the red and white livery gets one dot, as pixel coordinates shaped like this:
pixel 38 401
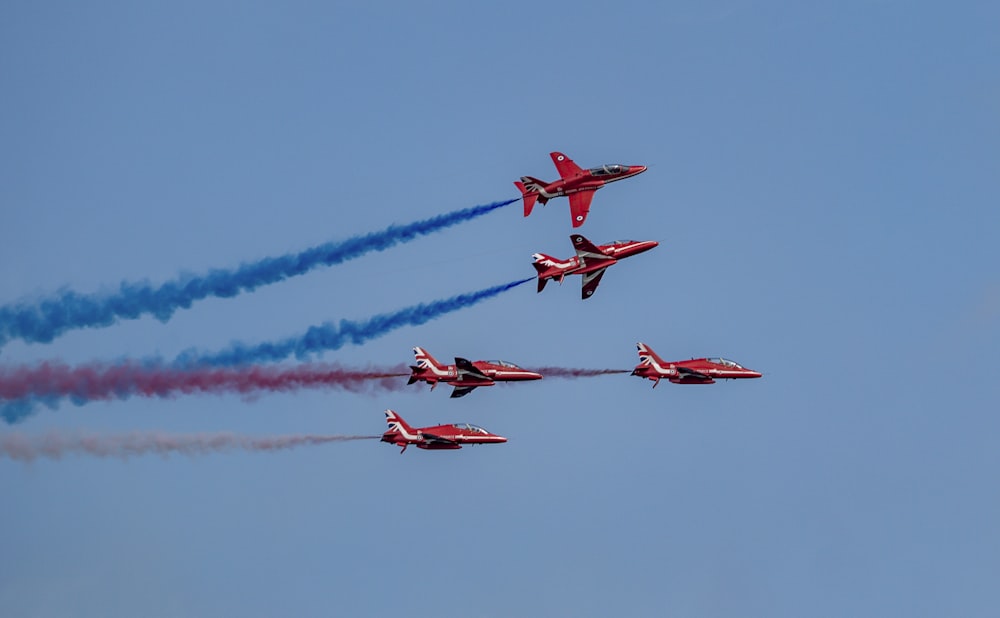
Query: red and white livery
pixel 466 375
pixel 693 371
pixel 574 182
pixel 437 438
pixel 590 262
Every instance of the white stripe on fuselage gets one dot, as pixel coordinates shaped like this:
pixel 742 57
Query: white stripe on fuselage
pixel 618 248
pixel 659 368
pixel 398 427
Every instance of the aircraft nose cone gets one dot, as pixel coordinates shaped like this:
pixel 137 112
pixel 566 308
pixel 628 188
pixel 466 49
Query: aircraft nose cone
pixel 638 169
pixel 643 246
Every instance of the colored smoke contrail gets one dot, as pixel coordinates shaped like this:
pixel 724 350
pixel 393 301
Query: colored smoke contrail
pixel 50 317
pixel 22 447
pixel 102 381
pixel 568 372
pixel 333 336
pixel 23 396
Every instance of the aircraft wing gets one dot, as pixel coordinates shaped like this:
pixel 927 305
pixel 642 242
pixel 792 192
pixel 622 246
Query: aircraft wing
pixel 462 391
pixel 579 206
pixel 591 280
pixel 565 165
pixel 429 437
pixel 588 252
pixel 468 371
pixel 685 372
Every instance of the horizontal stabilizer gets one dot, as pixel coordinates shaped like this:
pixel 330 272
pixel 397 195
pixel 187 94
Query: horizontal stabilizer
pixel 532 190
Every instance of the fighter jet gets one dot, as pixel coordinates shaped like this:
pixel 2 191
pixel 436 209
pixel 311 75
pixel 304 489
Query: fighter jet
pixel 591 261
pixel 576 183
pixel 693 371
pixel 439 437
pixel 465 375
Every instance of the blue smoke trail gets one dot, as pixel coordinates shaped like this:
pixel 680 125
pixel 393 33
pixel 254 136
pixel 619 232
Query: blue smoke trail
pixel 333 336
pixel 329 336
pixel 68 310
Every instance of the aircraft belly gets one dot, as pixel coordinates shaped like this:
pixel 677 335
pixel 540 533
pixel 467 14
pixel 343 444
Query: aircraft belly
pixel 438 446
pixel 466 382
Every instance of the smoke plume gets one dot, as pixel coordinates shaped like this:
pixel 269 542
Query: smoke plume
pixel 333 336
pixel 55 445
pixel 46 319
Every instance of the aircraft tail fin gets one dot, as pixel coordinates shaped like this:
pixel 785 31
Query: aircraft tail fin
pixel 424 360
pixel 528 197
pixel 647 356
pixel 397 424
pixel 542 264
pixel 531 191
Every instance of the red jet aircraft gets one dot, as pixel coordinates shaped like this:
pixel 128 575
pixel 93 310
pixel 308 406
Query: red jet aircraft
pixel 576 183
pixel 694 371
pixel 591 261
pixel 465 375
pixel 439 437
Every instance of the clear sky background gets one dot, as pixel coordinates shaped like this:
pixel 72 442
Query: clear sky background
pixel 823 181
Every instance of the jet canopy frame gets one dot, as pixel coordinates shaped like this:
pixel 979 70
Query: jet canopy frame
pixel 609 169
pixel 725 362
pixel 503 363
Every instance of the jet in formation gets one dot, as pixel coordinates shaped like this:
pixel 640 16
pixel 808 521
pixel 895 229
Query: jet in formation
pixel 439 437
pixel 574 182
pixel 466 375
pixel 591 261
pixel 693 371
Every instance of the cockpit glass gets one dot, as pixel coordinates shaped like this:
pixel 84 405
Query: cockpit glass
pixel 503 364
pixel 606 170
pixel 725 362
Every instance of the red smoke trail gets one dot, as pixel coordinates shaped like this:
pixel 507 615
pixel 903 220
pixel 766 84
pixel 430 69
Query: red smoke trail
pixel 568 372
pixel 21 447
pixel 98 381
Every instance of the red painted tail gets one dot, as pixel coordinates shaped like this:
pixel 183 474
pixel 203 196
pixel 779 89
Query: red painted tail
pixel 648 356
pixel 529 197
pixel 424 360
pixel 531 191
pixel 397 424
pixel 542 265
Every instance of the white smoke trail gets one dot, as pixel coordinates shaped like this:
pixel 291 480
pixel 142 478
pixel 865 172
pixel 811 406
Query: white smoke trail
pixel 54 445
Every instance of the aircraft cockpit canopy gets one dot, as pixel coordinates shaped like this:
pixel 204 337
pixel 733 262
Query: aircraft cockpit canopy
pixel 468 427
pixel 608 170
pixel 725 362
pixel 622 242
pixel 503 364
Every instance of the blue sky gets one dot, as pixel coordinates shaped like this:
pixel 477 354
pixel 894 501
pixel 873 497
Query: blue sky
pixel 823 183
